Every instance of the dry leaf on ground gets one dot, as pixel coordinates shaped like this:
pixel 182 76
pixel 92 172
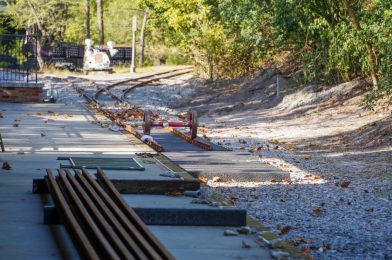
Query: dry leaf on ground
pixel 202 179
pixel 284 230
pixel 344 184
pixel 217 179
pixel 317 212
pixel 173 193
pixel 6 166
pixel 290 147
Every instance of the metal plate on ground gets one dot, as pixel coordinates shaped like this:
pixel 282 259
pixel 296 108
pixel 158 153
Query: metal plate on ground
pixel 103 163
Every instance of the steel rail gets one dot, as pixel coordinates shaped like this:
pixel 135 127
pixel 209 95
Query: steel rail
pixel 143 83
pixel 131 221
pixel 134 242
pixel 120 121
pixel 103 223
pixel 131 214
pixel 100 240
pixel 187 138
pixel 157 147
pixel 72 225
pixel 122 82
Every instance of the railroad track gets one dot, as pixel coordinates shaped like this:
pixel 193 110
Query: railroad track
pixel 125 112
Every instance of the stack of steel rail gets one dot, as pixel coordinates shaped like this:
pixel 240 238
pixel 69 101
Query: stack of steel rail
pixel 99 221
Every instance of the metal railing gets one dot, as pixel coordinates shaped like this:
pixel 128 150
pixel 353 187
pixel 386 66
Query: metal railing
pixel 72 53
pixel 18 58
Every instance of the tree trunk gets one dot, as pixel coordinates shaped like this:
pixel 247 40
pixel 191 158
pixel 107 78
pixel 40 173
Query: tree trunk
pixel 40 60
pixel 100 22
pixel 142 38
pixel 87 21
pixel 372 60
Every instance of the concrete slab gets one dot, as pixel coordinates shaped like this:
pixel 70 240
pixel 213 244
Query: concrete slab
pixel 240 166
pixel 22 232
pixel 207 243
pixel 29 128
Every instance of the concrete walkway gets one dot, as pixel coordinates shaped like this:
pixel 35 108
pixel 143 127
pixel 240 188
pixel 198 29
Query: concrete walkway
pixel 34 136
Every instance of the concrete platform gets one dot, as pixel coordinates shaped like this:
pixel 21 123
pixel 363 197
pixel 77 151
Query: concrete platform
pixel 229 165
pixel 239 166
pixel 207 243
pixel 71 133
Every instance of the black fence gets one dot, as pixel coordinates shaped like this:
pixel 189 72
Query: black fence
pixel 18 58
pixel 70 53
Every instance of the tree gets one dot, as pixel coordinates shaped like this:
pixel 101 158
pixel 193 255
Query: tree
pixel 44 18
pixel 100 22
pixel 87 14
pixel 142 38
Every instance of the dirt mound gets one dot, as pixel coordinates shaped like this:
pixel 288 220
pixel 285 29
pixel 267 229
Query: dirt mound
pixel 314 95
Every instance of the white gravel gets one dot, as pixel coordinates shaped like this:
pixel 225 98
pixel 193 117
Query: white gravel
pixel 355 222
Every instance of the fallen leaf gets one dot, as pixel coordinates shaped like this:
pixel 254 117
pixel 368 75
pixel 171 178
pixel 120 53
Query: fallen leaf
pixel 217 179
pixel 6 166
pixel 304 249
pixel 173 193
pixel 317 177
pixel 290 147
pixel 284 230
pixel 274 141
pixel 305 157
pixel 344 184
pixel 317 212
pixel 202 179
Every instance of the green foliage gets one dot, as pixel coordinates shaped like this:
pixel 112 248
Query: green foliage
pixel 6 26
pixel 331 40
